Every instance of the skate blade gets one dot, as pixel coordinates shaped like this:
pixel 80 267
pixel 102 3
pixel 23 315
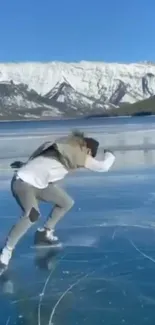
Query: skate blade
pixel 46 246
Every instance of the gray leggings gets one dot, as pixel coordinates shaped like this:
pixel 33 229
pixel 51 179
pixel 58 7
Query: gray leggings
pixel 28 197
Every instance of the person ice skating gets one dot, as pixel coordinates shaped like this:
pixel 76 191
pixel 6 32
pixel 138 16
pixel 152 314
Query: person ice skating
pixel 36 180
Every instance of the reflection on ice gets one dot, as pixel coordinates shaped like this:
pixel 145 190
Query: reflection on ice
pixel 84 241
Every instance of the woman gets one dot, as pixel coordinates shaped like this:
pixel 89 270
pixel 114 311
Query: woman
pixel 36 180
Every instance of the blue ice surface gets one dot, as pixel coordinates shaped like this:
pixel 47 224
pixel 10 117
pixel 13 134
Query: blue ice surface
pixel 105 272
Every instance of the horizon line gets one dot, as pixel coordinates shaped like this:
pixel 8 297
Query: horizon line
pixel 77 62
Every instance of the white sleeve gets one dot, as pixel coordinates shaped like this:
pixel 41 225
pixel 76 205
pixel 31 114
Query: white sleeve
pixel 100 166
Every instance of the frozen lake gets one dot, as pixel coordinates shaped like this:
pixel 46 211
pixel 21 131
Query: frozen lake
pixel 105 273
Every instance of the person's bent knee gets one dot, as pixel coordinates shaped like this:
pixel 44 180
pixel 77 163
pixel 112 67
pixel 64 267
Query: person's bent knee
pixel 69 204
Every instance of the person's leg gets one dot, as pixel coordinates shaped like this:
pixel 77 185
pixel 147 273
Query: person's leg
pixel 26 198
pixel 62 204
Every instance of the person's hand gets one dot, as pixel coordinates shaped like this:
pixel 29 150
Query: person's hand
pixel 108 151
pixel 17 164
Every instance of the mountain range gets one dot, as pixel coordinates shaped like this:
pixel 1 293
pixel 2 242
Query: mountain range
pixel 57 89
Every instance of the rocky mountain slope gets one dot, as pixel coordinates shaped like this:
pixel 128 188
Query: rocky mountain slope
pixel 56 89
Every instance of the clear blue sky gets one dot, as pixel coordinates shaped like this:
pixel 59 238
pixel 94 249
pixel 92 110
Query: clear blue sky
pixel 74 30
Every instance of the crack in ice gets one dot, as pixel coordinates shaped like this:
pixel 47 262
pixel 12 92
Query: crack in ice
pixel 41 295
pixel 8 320
pixel 64 294
pixel 143 254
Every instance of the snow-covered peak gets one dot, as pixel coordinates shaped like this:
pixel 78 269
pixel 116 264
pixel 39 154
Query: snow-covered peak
pixel 62 87
pixel 18 100
pixel 74 88
pixel 88 78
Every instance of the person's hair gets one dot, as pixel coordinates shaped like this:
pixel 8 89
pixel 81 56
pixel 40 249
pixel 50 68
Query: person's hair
pixel 90 143
pixel 78 133
pixel 93 145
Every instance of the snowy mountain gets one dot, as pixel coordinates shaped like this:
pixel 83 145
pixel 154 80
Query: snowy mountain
pixel 60 89
pixel 18 101
pixel 64 96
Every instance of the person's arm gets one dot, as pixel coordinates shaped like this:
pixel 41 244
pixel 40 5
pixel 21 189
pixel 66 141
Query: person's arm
pixel 100 166
pixel 18 164
pixel 40 149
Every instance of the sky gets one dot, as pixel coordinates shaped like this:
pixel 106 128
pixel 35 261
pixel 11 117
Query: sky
pixel 76 30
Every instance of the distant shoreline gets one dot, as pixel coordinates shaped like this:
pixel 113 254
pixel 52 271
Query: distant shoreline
pixel 86 117
pixel 40 120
